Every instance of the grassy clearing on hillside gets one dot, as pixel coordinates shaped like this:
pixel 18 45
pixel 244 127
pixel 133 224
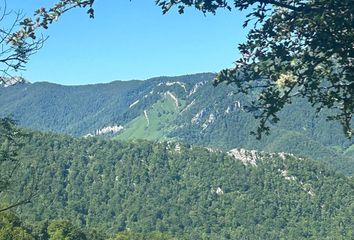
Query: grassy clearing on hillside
pixel 157 125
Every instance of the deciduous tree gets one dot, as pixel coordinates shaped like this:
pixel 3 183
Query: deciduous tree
pixel 16 45
pixel 295 48
pixel 10 165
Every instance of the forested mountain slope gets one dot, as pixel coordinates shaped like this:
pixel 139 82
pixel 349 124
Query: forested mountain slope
pixel 186 108
pixel 183 190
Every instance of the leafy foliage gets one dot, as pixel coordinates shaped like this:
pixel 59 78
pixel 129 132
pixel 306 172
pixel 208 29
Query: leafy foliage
pixel 128 235
pixel 19 45
pixel 10 164
pixel 11 227
pixel 14 52
pixel 15 228
pixel 295 48
pixel 183 192
pixel 58 230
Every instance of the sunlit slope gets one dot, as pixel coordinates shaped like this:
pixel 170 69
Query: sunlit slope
pixel 155 123
pixel 184 108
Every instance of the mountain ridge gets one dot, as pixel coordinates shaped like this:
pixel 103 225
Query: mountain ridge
pixel 184 108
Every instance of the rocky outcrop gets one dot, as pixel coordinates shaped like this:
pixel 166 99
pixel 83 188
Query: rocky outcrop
pixel 245 156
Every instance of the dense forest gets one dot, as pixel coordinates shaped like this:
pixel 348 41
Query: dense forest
pixel 184 108
pixel 166 158
pixel 90 188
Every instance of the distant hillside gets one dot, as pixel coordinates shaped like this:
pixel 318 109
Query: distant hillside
pixel 183 190
pixel 185 108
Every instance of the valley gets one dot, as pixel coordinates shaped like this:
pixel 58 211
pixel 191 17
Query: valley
pixel 177 120
pixel 171 158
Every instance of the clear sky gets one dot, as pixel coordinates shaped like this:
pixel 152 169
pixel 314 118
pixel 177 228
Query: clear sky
pixel 132 40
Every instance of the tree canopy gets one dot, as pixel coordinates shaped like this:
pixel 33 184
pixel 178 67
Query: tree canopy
pixel 10 164
pixel 295 48
pixel 140 188
pixel 22 38
pixel 14 52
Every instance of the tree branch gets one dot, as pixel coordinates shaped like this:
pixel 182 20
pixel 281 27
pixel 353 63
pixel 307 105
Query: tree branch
pixel 283 5
pixel 28 200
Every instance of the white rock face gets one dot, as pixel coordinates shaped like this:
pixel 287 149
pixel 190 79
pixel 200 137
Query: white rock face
pixel 147 118
pixel 105 130
pixel 173 97
pixel 198 117
pixel 173 147
pixel 178 148
pixel 212 150
pixel 282 155
pixel 195 88
pixel 246 157
pixel 209 121
pixel 133 104
pixel 188 106
pixel 235 105
pixel 306 187
pixel 285 174
pixel 228 109
pixel 211 118
pixel 109 129
pixel 88 135
pixel 178 83
pixel 182 85
pixel 311 193
pixel 218 191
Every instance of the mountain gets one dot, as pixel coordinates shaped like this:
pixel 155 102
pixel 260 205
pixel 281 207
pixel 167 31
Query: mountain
pixel 185 108
pixel 182 190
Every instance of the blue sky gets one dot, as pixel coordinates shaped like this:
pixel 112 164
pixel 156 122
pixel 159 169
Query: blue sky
pixel 132 40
